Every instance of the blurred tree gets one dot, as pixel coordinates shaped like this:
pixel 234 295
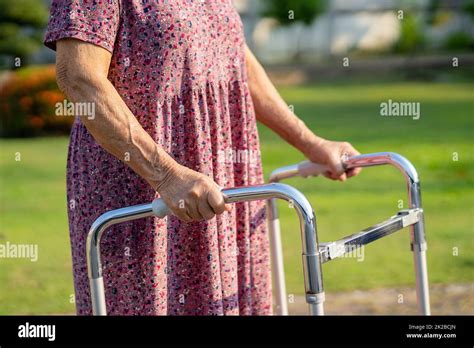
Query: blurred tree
pixel 21 26
pixel 411 35
pixel 288 12
pixel 432 11
pixel 459 40
pixel 469 7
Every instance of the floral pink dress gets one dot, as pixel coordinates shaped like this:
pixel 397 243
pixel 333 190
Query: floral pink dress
pixel 180 67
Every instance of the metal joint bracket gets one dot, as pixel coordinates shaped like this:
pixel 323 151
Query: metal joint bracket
pixel 410 216
pixel 419 246
pixel 335 250
pixel 315 298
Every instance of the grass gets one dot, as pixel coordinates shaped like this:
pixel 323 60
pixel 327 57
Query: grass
pixel 33 211
pixel 33 204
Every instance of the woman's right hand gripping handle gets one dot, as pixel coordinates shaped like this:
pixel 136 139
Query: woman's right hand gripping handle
pixel 190 195
pixel 82 73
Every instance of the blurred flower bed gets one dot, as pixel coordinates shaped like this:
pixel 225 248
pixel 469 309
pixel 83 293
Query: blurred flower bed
pixel 28 99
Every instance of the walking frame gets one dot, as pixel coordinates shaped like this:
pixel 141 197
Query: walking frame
pixel 412 217
pixel 314 254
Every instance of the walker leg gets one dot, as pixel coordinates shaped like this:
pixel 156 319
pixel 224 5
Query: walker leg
pixel 419 246
pixel 316 304
pixel 313 273
pixel 278 271
pixel 98 296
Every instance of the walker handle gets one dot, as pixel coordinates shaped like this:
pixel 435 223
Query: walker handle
pixel 160 209
pixel 308 168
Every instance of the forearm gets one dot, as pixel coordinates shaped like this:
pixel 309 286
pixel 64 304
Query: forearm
pixel 116 129
pixel 273 112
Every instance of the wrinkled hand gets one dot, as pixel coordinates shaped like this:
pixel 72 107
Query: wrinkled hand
pixel 190 195
pixel 331 154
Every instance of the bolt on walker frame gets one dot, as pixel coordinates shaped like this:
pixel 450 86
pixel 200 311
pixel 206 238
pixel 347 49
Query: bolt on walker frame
pixel 412 217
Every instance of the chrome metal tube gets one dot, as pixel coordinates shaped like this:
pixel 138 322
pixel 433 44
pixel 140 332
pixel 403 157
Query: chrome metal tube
pixel 332 250
pixel 276 255
pixel 417 231
pixel 283 173
pixel 94 236
pixel 276 248
pixel 311 256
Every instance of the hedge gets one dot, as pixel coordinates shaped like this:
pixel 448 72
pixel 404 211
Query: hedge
pixel 27 104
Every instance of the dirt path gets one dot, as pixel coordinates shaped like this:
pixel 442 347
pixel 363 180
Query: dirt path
pixel 445 299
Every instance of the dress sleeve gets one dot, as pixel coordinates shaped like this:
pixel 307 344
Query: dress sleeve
pixel 93 21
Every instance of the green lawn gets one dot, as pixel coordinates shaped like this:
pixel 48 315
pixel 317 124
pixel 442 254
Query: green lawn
pixel 33 193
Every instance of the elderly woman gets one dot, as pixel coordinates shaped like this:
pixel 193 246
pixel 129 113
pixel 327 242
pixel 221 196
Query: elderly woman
pixel 175 90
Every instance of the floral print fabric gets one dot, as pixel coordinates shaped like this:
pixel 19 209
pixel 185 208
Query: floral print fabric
pixel 179 65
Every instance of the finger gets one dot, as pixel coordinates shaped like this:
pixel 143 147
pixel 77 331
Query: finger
pixel 336 170
pixel 179 210
pixel 193 211
pixel 335 163
pixel 331 176
pixel 227 207
pixel 216 201
pixel 342 177
pixel 349 151
pixel 205 209
pixel 181 214
pixel 353 172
